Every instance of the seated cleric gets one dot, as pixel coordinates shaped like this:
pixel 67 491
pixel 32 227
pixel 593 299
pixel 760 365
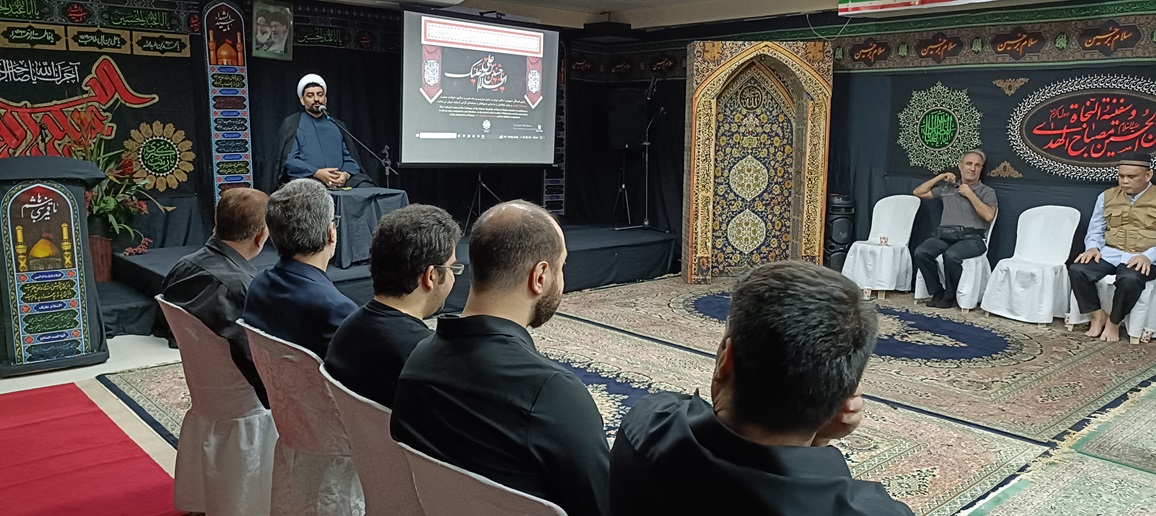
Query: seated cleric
pixel 313 144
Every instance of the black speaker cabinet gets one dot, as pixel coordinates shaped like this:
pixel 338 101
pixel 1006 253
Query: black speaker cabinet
pixel 626 119
pixel 839 232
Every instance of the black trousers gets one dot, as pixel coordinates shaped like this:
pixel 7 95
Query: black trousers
pixel 1130 284
pixel 954 253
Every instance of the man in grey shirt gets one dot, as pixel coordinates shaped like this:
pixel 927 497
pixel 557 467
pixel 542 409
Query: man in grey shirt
pixel 969 207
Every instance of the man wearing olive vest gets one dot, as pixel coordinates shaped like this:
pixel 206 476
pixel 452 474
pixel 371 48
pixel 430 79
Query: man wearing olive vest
pixel 1121 240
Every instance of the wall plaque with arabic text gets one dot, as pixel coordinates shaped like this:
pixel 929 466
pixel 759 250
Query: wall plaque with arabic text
pixel 1110 37
pixel 870 52
pixel 1077 128
pixel 1019 43
pixel 157 44
pixel 31 35
pixel 112 41
pixel 939 47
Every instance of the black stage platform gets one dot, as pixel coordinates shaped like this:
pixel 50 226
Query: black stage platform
pixel 598 256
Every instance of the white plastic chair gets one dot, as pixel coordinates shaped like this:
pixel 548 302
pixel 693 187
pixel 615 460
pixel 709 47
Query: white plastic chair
pixel 313 473
pixel 225 454
pixel 381 465
pixel 1140 323
pixel 1032 286
pixel 976 271
pixel 876 266
pixel 447 490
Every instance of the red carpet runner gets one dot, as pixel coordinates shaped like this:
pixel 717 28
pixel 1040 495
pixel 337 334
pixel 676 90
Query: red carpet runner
pixel 62 455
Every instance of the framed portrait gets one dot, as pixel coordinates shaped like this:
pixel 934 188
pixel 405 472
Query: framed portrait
pixel 273 30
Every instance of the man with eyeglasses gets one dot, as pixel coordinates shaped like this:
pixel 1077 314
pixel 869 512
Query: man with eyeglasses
pixel 295 300
pixel 412 262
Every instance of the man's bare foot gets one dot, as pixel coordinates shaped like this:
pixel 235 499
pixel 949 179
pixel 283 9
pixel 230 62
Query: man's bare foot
pixel 1099 319
pixel 1111 333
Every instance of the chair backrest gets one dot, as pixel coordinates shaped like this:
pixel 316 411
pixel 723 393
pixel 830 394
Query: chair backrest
pixel 381 465
pixel 447 490
pixel 990 227
pixel 893 217
pixel 303 409
pixel 1044 234
pixel 217 389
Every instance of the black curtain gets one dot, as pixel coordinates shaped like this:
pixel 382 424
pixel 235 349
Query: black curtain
pixel 593 168
pixel 861 143
pixel 363 92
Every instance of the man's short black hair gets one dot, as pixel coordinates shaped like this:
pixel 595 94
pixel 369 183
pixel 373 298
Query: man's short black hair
pixel 408 241
pixel 802 336
pixel 504 247
pixel 312 85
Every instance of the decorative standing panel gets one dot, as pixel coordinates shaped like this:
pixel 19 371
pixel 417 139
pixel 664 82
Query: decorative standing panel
pixel 730 225
pixel 45 274
pixel 228 97
pixel 753 177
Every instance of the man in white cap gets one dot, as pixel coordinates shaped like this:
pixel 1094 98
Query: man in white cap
pixel 312 145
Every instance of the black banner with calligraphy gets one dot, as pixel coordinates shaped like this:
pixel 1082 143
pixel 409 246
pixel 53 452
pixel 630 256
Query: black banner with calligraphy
pixel 52 98
pixel 1035 125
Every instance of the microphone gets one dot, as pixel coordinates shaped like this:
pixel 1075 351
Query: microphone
pixel 651 87
pixel 384 164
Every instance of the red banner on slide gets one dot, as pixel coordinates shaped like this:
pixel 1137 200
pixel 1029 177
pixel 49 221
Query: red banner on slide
pixel 431 72
pixel 533 81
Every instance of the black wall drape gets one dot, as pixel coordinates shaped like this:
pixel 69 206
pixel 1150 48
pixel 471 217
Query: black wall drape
pixel 862 112
pixel 364 93
pixel 592 171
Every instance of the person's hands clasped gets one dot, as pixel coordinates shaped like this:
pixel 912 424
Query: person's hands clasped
pixel 1091 255
pixel 845 422
pixel 331 177
pixel 1141 263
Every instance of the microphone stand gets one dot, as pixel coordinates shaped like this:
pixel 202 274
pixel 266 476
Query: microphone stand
pixel 384 163
pixel 646 174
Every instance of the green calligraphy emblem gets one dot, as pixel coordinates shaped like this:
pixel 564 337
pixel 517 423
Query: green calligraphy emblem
pixel 159 156
pixel 937 129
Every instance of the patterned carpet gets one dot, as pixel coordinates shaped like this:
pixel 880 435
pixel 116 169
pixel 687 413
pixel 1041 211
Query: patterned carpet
pixel 1072 484
pixel 1126 435
pixel 933 465
pixel 1023 379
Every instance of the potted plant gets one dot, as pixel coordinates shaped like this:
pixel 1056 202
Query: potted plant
pixel 115 201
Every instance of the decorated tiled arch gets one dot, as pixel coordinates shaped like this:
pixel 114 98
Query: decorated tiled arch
pixel 801 73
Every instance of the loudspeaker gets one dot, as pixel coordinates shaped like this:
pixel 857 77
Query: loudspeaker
pixel 626 119
pixel 839 230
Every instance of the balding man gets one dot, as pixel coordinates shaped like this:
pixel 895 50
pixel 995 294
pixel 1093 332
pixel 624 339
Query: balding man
pixel 479 395
pixel 211 284
pixel 1120 241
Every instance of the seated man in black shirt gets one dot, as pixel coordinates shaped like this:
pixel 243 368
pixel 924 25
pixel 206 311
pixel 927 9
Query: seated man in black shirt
pixel 211 283
pixel 479 395
pixel 785 383
pixel 413 264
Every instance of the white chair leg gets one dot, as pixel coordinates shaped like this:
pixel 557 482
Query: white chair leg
pixel 965 310
pixel 1070 326
pixel 882 294
pixel 1134 340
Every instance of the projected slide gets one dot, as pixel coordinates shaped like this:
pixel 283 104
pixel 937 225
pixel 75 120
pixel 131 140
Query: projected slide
pixel 477 93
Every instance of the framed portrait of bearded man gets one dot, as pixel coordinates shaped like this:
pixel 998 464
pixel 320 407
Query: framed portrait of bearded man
pixel 273 30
